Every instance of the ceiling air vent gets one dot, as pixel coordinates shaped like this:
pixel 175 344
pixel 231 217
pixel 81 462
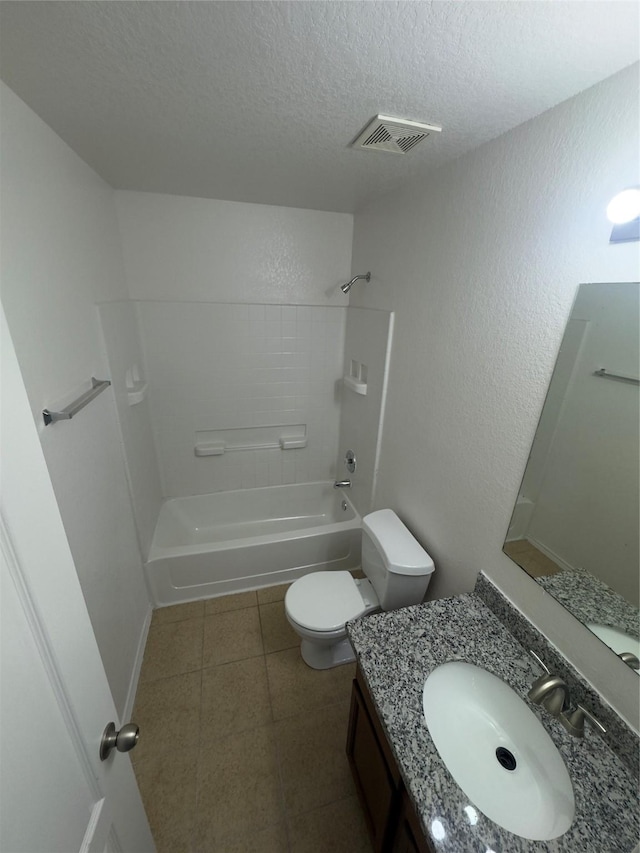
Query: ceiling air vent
pixel 395 135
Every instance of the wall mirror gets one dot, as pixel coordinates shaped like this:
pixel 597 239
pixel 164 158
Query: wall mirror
pixel 575 528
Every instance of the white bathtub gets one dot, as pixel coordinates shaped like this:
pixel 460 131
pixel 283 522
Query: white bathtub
pixel 227 542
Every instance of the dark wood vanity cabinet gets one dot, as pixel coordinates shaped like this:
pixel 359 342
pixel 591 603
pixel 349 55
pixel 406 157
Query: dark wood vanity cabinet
pixel 408 836
pixel 393 823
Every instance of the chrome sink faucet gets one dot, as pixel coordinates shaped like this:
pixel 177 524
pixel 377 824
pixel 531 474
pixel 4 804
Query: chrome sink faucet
pixel 549 690
pixel 573 721
pixel 342 484
pixel 552 693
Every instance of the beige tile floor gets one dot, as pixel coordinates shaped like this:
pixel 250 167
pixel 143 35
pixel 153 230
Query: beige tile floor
pixel 534 562
pixel 242 746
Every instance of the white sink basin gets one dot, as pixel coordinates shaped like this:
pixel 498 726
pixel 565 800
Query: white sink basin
pixel 618 640
pixel 478 724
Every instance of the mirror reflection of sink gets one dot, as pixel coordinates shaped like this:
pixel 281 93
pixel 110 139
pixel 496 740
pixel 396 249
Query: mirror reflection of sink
pixel 497 751
pixel 616 639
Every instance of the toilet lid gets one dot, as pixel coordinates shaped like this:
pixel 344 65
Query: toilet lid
pixel 324 601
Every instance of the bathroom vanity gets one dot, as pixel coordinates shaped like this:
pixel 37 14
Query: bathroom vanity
pixel 410 800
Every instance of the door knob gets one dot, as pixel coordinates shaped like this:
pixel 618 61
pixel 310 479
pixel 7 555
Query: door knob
pixel 123 741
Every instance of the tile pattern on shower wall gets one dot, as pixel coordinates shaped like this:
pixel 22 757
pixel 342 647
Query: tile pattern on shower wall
pixel 214 366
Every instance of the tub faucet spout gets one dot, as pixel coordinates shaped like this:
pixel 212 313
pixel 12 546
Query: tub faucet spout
pixel 342 484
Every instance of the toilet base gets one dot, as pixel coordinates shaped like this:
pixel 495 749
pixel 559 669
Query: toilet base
pixel 326 657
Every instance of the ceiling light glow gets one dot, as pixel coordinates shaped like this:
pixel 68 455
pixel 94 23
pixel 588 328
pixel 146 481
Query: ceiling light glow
pixel 624 207
pixel 437 830
pixel 472 814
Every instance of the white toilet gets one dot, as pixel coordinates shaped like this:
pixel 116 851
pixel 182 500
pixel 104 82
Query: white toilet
pixel 319 605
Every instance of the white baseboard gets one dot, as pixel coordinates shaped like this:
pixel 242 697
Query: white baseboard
pixel 567 567
pixel 137 666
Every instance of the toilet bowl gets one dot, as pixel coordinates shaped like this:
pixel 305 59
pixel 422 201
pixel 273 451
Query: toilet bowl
pixel 319 605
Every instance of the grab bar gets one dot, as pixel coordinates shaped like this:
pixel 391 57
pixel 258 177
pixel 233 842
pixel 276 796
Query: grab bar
pixel 97 387
pixel 621 377
pixel 218 448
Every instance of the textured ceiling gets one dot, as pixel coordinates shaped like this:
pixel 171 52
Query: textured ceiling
pixel 257 101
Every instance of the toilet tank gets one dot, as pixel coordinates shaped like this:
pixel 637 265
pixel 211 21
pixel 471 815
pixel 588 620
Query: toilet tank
pixel 394 561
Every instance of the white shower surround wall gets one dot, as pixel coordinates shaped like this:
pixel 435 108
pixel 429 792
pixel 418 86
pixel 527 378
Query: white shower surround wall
pixel 216 368
pixel 208 545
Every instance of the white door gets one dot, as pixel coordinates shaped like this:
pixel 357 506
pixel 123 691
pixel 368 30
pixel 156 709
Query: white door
pixel 56 795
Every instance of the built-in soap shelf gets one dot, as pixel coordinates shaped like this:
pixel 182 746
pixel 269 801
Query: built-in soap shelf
pixel 281 437
pixel 135 385
pixel 356 379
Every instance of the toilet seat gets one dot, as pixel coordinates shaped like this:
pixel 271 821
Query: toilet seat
pixel 325 601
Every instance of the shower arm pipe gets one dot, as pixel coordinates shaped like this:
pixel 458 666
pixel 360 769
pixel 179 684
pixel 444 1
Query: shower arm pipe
pixel 345 288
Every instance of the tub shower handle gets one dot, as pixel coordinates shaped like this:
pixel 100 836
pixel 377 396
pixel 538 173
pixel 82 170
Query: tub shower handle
pixel 350 461
pixel 342 484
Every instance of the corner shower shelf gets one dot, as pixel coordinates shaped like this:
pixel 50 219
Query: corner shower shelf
pixel 135 385
pixel 355 385
pixel 137 393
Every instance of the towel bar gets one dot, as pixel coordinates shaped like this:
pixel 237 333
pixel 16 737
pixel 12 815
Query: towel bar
pixel 97 387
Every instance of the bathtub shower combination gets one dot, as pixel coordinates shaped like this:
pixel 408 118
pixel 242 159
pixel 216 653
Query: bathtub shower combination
pixel 208 545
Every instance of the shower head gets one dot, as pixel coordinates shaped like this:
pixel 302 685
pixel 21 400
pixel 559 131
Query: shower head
pixel 345 288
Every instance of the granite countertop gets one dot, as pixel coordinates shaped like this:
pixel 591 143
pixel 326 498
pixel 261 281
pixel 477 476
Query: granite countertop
pixel 591 600
pixel 396 652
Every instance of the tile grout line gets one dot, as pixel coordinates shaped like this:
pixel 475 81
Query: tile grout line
pixel 277 743
pixel 243 657
pixel 279 762
pixel 234 660
pixel 229 610
pixel 261 630
pixel 306 711
pixel 326 805
pixel 194 816
pixel 167 677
